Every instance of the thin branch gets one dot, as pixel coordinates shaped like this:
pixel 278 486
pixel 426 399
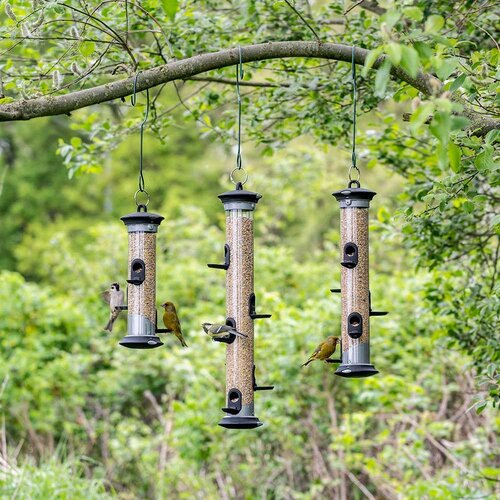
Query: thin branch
pixel 352 7
pixel 360 485
pixel 373 7
pixel 303 20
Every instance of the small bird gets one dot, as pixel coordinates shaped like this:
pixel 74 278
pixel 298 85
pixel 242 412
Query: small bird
pixel 324 350
pixel 114 297
pixel 221 331
pixel 171 321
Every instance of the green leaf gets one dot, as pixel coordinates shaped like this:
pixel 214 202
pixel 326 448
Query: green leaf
pixel 76 142
pixel 480 408
pixel 458 82
pixel 492 136
pixel 390 18
pixel 370 60
pixel 382 78
pixel 410 60
pixel 459 122
pixel 446 67
pixel 170 7
pixel 434 23
pixel 421 114
pixel 484 160
pixel 491 472
pixel 440 126
pixel 423 49
pixel 87 48
pixel 414 13
pixel 454 156
pixel 468 206
pixel 394 52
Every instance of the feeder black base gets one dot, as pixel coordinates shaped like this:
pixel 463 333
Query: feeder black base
pixel 356 371
pixel 141 342
pixel 233 422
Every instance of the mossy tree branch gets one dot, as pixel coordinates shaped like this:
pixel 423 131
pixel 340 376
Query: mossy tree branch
pixel 27 109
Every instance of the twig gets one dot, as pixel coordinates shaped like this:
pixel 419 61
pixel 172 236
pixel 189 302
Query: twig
pixel 303 20
pixel 352 7
pixel 360 485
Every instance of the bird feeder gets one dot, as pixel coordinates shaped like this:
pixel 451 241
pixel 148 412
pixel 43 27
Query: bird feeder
pixel 240 309
pixel 141 293
pixel 355 289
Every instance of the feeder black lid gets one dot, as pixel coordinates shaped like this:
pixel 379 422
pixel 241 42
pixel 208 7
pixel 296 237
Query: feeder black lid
pixel 354 197
pixel 142 218
pixel 240 196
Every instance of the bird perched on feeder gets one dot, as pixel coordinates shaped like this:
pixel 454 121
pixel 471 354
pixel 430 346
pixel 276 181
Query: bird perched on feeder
pixel 114 297
pixel 171 321
pixel 221 331
pixel 324 350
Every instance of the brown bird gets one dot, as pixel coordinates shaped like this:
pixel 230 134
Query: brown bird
pixel 171 321
pixel 324 350
pixel 114 297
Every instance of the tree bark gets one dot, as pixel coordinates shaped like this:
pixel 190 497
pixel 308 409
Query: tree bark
pixel 26 109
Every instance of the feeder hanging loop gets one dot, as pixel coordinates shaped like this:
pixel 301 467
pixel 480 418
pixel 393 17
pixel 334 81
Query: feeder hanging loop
pixel 354 106
pixel 239 168
pixel 142 184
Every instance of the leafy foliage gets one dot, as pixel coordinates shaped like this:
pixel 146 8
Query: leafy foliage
pixel 143 424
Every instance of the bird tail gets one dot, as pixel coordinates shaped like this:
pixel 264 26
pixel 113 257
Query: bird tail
pixel 310 360
pixel 238 334
pixel 112 319
pixel 183 342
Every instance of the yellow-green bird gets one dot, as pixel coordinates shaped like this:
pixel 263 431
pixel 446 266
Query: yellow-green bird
pixel 324 350
pixel 171 321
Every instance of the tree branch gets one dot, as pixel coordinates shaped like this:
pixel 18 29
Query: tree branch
pixel 373 7
pixel 183 69
pixel 229 81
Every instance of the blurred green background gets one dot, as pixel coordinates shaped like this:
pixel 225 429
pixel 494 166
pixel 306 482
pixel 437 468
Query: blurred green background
pixel 83 417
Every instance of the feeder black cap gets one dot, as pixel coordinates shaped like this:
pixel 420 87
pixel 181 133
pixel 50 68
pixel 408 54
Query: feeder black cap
pixel 142 218
pixel 239 199
pixel 354 197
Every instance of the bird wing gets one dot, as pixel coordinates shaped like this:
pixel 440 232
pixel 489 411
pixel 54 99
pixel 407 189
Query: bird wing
pixel 317 350
pixel 326 350
pixel 171 321
pixel 116 299
pixel 106 296
pixel 219 328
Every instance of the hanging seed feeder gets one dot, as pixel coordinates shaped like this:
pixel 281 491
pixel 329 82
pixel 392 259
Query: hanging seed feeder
pixel 240 309
pixel 141 293
pixel 355 291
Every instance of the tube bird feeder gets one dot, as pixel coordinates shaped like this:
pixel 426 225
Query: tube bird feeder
pixel 141 292
pixel 239 206
pixel 355 287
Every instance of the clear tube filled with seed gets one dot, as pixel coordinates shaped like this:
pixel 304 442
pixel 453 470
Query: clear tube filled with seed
pixel 239 206
pixel 355 286
pixel 141 292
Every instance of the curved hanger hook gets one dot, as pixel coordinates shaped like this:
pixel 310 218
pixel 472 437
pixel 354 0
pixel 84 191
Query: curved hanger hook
pixel 133 101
